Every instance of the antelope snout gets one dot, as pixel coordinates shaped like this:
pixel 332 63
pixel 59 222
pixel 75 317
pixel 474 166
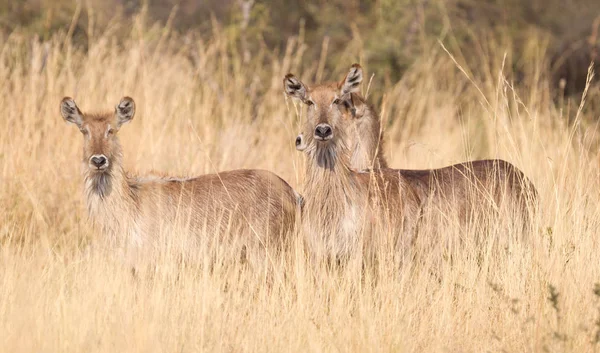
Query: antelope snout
pixel 98 161
pixel 323 132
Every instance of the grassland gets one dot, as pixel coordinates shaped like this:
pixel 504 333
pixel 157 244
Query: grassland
pixel 203 108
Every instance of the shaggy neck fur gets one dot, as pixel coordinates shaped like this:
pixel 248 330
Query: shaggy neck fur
pixel 332 199
pixel 110 198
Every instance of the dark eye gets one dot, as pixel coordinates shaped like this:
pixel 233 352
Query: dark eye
pixel 336 101
pixel 110 132
pixel 309 103
pixel 83 131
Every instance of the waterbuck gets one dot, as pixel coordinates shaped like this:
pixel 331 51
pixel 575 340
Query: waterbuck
pixel 456 192
pixel 254 209
pixel 346 211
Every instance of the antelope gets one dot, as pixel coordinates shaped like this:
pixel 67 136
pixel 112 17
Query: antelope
pixel 344 210
pixel 459 189
pixel 257 205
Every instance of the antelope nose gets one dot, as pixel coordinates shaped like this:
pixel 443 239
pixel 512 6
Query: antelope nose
pixel 99 161
pixel 323 131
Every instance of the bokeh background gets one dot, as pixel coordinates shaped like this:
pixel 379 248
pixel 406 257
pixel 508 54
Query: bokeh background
pixel 388 35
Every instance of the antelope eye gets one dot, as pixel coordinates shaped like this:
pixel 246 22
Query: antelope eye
pixel 309 103
pixel 83 131
pixel 336 101
pixel 110 132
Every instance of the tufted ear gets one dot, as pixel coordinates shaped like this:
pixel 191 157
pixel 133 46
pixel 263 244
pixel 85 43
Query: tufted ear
pixel 352 81
pixel 294 88
pixel 70 112
pixel 124 111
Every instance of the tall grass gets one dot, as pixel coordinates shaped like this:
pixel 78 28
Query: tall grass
pixel 201 109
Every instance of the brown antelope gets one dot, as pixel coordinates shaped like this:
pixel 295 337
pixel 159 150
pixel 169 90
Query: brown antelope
pixel 459 189
pixel 344 208
pixel 134 210
pixel 365 138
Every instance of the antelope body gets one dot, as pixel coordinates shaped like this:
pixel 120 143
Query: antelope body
pixel 255 205
pixel 459 189
pixel 345 210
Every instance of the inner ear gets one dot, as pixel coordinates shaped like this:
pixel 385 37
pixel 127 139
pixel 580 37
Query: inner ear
pixel 125 111
pixel 70 112
pixel 352 80
pixel 294 88
pixel 300 142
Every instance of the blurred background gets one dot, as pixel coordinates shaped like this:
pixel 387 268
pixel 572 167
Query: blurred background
pixel 388 35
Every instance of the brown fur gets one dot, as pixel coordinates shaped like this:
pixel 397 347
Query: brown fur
pixel 254 204
pixel 366 136
pixel 342 207
pixel 459 189
pixel 481 187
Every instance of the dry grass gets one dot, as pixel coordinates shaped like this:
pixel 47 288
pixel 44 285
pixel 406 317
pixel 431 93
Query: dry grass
pixel 200 109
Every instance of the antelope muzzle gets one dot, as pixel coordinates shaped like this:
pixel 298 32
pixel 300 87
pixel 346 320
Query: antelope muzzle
pixel 323 132
pixel 98 162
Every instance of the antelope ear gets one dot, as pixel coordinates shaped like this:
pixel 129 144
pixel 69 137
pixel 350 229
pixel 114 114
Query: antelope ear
pixel 125 110
pixel 352 81
pixel 70 112
pixel 294 88
pixel 300 142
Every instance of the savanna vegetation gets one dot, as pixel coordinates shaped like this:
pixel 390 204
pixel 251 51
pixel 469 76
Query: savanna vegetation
pixel 452 80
